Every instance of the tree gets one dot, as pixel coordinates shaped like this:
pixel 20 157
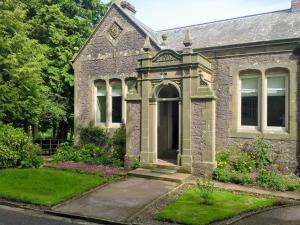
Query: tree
pixel 62 25
pixel 22 60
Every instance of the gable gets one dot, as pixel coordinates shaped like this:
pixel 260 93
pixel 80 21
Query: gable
pixel 117 33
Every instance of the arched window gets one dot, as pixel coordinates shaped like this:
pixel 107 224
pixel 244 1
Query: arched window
pixel 101 102
pixel 116 86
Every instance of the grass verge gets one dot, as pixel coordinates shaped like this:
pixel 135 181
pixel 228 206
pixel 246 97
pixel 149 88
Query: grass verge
pixel 189 210
pixel 45 186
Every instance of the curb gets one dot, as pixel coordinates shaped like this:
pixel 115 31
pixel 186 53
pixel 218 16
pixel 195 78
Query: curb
pixel 88 219
pixel 232 221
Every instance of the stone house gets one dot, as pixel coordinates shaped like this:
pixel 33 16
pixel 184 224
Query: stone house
pixel 187 91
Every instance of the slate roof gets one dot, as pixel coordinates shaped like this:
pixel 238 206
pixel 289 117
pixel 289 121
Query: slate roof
pixel 284 24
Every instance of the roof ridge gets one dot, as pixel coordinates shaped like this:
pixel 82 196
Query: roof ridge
pixel 217 21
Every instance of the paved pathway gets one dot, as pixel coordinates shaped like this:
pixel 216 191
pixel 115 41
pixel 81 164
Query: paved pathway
pixel 281 216
pixel 118 201
pixel 15 216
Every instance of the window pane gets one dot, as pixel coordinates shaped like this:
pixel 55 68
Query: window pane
pixel 276 102
pixel 101 109
pixel 101 103
pixel 249 102
pixel 117 109
pixel 116 89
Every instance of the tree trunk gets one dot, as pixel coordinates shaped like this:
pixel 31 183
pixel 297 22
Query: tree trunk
pixel 62 133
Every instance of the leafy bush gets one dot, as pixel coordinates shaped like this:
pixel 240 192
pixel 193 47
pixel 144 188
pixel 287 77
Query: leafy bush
pixel 278 182
pixel 235 159
pixel 119 142
pixel 17 149
pixel 97 136
pixel 65 153
pixel 226 175
pixel 89 153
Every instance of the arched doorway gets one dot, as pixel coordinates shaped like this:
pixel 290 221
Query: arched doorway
pixel 168 124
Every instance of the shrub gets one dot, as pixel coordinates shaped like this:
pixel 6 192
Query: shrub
pixel 222 175
pixel 65 153
pixel 235 159
pixel 93 135
pixel 17 149
pixel 230 176
pixel 119 142
pixel 89 153
pixel 278 182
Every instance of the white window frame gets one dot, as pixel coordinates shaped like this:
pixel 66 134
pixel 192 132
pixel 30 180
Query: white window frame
pixel 240 126
pixel 265 96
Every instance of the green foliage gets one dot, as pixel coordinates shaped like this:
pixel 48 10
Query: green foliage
pixel 94 135
pixel 17 149
pixel 253 165
pixel 88 153
pixel 119 142
pixel 206 189
pixel 61 25
pixel 37 39
pixel 66 153
pixel 136 164
pixel 278 182
pixel 226 175
pixel 261 156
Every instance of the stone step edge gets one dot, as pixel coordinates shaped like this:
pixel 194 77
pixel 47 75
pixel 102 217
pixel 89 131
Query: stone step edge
pixel 158 176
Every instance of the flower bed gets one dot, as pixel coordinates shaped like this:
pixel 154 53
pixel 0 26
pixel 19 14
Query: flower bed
pixel 105 170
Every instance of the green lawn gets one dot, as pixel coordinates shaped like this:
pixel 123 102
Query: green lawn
pixel 44 186
pixel 188 210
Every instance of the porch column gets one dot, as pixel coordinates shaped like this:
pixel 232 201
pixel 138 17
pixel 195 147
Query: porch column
pixel 145 153
pixel 186 154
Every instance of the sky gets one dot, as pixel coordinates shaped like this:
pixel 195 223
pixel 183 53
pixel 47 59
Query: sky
pixel 166 14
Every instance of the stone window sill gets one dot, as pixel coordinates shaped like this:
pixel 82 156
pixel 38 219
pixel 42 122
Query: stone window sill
pixel 269 134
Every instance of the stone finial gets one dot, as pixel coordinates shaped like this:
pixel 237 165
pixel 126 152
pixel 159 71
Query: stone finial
pixel 187 39
pixel 164 38
pixel 76 49
pixel 147 46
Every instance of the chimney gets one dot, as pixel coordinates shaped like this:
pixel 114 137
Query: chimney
pixel 126 6
pixel 295 5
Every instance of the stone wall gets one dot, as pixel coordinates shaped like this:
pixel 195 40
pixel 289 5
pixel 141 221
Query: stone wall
pixel 133 132
pixel 286 150
pixel 202 136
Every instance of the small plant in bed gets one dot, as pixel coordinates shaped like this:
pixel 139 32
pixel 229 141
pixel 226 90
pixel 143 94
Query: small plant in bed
pixel 45 186
pixel 206 190
pixel 187 210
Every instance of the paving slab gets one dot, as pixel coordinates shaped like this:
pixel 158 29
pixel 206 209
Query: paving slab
pixel 117 201
pixel 281 216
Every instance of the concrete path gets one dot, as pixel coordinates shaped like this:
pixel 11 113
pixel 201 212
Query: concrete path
pixel 281 216
pixel 117 201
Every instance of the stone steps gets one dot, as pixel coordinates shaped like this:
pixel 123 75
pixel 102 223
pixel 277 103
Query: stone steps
pixel 161 174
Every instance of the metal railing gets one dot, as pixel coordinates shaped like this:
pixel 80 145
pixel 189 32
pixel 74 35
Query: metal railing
pixel 48 146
